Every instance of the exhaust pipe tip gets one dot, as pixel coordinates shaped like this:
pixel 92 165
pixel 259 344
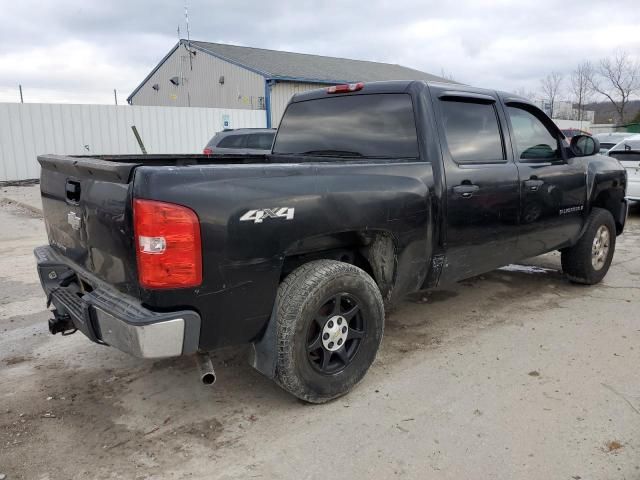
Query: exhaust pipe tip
pixel 208 378
pixel 207 374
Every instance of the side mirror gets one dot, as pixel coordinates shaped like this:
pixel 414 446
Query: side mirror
pixel 584 145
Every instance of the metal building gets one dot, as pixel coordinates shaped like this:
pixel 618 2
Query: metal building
pixel 202 74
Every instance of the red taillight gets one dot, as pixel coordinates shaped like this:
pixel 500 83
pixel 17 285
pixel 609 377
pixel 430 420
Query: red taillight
pixel 347 87
pixel 207 151
pixel 168 245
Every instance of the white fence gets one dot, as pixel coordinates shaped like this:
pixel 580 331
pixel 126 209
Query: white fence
pixel 573 124
pixel 603 128
pixel 31 129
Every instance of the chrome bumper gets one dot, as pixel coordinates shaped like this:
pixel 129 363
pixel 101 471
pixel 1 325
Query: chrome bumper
pixel 154 340
pixel 110 317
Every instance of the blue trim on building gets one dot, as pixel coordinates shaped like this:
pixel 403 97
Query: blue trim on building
pixel 310 80
pixel 267 99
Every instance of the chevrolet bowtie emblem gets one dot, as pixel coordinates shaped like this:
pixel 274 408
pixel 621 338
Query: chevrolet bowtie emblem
pixel 74 220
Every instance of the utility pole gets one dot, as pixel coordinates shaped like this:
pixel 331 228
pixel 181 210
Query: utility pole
pixel 21 99
pixel 115 96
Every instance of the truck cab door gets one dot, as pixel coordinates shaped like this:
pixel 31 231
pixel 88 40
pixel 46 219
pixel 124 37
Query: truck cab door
pixel 482 185
pixel 553 187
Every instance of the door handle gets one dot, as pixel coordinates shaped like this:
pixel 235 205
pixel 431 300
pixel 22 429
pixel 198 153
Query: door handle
pixel 466 190
pixel 533 184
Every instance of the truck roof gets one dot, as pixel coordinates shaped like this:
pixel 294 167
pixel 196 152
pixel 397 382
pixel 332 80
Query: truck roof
pixel 403 86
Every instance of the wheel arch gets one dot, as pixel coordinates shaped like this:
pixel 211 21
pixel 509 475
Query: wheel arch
pixel 611 199
pixel 375 251
pixel 606 182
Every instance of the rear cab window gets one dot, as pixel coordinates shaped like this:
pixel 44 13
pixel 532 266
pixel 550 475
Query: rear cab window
pixel 366 125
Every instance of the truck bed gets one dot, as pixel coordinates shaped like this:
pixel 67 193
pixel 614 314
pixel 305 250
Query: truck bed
pixel 119 167
pixel 241 259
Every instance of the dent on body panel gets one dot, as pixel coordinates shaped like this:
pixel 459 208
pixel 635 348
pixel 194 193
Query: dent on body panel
pixel 381 255
pixel 107 232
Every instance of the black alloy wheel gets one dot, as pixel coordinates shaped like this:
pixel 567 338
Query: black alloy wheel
pixel 336 333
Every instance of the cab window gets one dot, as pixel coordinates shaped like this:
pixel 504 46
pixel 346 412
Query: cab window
pixel 369 126
pixel 472 132
pixel 533 140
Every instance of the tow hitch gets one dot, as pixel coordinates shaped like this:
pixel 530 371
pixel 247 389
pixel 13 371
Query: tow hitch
pixel 61 324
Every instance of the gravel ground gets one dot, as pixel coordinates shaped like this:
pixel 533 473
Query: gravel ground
pixel 516 374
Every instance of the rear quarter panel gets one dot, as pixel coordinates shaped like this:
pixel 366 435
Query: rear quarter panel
pixel 242 260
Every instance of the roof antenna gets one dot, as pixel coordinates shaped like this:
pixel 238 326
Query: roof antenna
pixel 186 18
pixel 191 52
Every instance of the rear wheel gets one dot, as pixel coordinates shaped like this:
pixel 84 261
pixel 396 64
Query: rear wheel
pixel 588 261
pixel 330 323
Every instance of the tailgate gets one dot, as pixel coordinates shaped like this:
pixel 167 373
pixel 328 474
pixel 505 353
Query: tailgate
pixel 87 213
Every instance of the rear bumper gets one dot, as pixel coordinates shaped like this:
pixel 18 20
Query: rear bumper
pixel 110 317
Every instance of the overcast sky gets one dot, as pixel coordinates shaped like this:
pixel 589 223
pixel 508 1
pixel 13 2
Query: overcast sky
pixel 78 51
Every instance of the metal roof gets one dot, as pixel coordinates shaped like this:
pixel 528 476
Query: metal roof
pixel 301 67
pixel 280 65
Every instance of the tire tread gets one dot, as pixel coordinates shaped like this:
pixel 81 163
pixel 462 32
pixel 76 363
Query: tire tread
pixel 294 291
pixel 576 260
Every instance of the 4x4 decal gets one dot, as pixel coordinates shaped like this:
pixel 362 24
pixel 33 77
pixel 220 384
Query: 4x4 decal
pixel 258 216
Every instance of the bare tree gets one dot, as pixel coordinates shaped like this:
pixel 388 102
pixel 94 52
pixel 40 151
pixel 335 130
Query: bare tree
pixel 550 86
pixel 581 86
pixel 523 92
pixel 447 75
pixel 617 78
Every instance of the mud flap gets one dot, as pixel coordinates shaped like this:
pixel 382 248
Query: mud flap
pixel 263 355
pixel 621 216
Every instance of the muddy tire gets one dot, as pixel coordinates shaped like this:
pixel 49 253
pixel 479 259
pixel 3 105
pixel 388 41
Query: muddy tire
pixel 588 261
pixel 330 321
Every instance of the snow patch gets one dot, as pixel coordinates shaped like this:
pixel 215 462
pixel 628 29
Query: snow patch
pixel 525 269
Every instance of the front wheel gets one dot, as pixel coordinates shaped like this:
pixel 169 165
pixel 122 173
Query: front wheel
pixel 588 261
pixel 330 320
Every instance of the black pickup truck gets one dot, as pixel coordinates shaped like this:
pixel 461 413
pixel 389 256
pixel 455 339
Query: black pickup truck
pixel 371 191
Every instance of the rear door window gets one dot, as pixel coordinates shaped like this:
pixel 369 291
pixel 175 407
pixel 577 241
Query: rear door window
pixel 472 132
pixel 372 126
pixel 233 141
pixel 260 141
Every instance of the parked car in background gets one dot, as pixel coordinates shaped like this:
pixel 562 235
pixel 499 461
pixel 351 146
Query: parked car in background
pixel 611 139
pixel 569 133
pixel 627 152
pixel 243 141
